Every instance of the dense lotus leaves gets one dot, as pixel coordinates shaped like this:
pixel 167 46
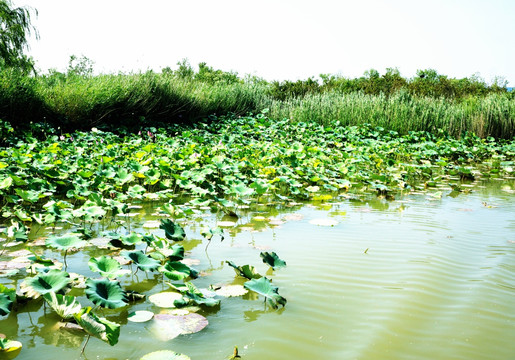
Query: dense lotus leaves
pixel 272 259
pixel 246 271
pixel 6 304
pixel 43 283
pixel 142 261
pixel 107 267
pixel 175 270
pixel 65 306
pixel 106 293
pixel 263 286
pixel 100 328
pixel 172 230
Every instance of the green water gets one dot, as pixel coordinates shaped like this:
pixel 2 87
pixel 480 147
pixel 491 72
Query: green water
pixel 419 277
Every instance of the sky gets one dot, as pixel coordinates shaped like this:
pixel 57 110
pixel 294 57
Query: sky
pixel 280 39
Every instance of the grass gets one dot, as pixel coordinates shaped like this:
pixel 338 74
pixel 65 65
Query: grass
pixel 76 101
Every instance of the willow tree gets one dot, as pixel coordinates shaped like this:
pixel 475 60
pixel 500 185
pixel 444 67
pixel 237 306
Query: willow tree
pixel 15 28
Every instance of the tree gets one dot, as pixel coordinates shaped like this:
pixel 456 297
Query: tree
pixel 14 29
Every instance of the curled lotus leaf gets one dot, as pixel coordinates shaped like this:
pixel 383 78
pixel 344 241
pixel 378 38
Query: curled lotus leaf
pixel 172 230
pixel 100 328
pixel 9 349
pixel 107 267
pixel 65 306
pixel 264 286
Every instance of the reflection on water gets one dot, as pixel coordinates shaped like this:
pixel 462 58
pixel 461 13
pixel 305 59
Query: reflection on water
pixel 422 276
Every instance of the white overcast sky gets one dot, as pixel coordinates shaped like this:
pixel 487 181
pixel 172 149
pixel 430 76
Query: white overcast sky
pixel 280 39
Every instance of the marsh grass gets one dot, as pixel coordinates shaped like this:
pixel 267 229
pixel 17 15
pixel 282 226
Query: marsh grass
pixel 136 100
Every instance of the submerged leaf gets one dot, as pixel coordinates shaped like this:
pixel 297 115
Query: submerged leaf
pixel 168 326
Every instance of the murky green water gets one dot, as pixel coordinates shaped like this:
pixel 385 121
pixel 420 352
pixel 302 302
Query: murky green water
pixel 419 277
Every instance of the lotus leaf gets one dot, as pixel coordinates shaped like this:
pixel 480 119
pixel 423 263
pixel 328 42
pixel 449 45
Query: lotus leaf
pixel 107 267
pixel 65 306
pixel 131 239
pixel 167 326
pixel 231 290
pixel 6 304
pixel 100 328
pixel 193 296
pixel 175 270
pixel 141 260
pixel 9 349
pixel 165 355
pixel 52 281
pixel 106 293
pixel 140 316
pixel 65 242
pixel 263 286
pixel 165 299
pixel 272 259
pixel 172 230
pixel 246 271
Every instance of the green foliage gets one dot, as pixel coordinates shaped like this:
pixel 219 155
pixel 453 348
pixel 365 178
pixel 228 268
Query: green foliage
pixel 14 30
pixel 106 293
pixel 272 259
pixel 52 281
pixel 100 328
pixel 65 306
pixel 263 286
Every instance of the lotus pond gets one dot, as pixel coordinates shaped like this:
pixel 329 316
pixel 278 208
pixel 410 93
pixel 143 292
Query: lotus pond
pixel 289 241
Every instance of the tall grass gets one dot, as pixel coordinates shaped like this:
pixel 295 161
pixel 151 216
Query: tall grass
pixel 116 100
pixel 493 115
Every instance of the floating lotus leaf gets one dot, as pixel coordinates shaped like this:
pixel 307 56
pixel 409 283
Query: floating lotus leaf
pixel 152 224
pixel 172 230
pixel 167 326
pixel 107 267
pixel 231 290
pixel 263 286
pixel 140 316
pixel 65 242
pixel 64 306
pixel 175 270
pixel 165 299
pixel 246 271
pixel 324 222
pixel 142 261
pixel 272 259
pixel 100 328
pixel 9 349
pixel 165 355
pixel 106 293
pixel 52 281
